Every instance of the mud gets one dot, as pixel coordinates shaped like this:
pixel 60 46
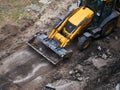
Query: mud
pixel 21 68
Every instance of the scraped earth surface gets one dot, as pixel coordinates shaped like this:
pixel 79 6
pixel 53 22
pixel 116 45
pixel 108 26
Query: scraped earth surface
pixel 21 68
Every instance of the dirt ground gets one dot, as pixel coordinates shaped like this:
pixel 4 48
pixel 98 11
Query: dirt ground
pixel 21 68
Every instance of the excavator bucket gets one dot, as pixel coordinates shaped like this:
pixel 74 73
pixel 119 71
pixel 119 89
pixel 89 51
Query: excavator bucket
pixel 48 48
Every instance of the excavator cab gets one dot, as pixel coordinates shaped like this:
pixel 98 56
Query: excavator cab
pixel 69 27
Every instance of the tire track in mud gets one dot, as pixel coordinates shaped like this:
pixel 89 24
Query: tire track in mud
pixel 24 66
pixel 30 75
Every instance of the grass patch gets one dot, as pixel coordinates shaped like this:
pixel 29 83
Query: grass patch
pixel 11 10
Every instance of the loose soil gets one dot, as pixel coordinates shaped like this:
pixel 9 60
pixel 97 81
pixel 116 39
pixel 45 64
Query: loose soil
pixel 21 68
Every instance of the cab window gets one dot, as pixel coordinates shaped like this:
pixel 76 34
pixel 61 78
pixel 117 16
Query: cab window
pixel 69 27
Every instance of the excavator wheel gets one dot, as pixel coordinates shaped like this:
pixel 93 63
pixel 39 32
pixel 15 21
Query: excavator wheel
pixel 108 28
pixel 84 42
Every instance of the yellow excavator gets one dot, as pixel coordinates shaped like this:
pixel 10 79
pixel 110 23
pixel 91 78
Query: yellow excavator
pixel 92 19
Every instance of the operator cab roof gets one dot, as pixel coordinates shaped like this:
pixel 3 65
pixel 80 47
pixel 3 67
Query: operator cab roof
pixel 80 15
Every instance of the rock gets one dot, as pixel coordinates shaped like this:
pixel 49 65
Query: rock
pixel 49 87
pixel 104 56
pixel 108 52
pixel 117 87
pixel 79 78
pixel 116 38
pixel 99 80
pixel 108 38
pixel 78 75
pixel 71 72
pixel 79 68
pixel 99 48
pixel 63 85
pixel 33 7
pixel 45 1
pixel 87 78
pixel 76 71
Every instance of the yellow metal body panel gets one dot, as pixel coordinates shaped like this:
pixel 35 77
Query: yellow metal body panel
pixel 79 30
pixel 53 32
pixel 80 15
pixel 66 33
